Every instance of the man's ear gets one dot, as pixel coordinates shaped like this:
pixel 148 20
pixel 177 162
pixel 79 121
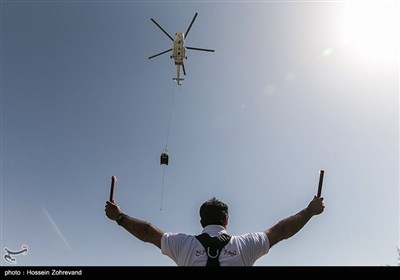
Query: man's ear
pixel 226 221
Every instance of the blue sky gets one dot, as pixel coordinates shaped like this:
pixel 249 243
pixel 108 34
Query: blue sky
pixel 291 88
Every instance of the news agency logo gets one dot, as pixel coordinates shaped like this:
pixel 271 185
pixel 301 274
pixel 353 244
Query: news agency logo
pixel 8 256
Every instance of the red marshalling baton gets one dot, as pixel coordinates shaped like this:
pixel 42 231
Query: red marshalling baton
pixel 321 179
pixel 113 180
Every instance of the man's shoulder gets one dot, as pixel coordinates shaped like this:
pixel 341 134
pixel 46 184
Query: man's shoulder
pixel 251 235
pixel 178 235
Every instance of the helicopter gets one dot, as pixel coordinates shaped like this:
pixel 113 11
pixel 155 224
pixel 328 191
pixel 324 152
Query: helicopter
pixel 179 49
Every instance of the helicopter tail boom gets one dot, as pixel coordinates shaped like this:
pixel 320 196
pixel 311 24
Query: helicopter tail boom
pixel 178 80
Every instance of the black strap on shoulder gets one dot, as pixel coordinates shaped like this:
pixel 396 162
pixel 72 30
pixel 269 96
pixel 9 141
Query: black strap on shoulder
pixel 213 246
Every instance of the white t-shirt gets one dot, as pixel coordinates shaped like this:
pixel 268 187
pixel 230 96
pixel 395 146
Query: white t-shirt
pixel 242 250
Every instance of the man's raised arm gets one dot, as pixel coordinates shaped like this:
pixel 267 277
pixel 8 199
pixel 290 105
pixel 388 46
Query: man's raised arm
pixel 140 229
pixel 289 226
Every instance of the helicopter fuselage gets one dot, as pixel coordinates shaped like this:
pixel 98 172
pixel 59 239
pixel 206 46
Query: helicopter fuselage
pixel 179 50
pixel 179 54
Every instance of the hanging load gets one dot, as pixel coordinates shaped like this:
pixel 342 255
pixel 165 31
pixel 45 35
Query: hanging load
pixel 164 156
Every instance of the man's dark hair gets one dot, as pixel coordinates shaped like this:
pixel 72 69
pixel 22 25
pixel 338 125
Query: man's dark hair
pixel 213 212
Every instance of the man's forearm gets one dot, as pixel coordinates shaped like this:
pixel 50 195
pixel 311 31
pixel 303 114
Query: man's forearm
pixel 142 230
pixel 291 225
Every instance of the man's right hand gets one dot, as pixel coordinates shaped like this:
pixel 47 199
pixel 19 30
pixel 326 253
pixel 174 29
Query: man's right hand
pixel 112 210
pixel 316 206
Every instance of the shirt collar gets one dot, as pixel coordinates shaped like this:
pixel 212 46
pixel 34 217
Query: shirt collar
pixel 214 230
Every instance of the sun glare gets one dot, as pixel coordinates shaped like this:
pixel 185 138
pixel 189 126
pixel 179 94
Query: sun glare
pixel 371 29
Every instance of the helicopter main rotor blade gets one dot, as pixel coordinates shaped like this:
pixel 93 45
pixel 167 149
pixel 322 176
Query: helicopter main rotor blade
pixel 190 26
pixel 199 49
pixel 160 53
pixel 183 69
pixel 159 26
